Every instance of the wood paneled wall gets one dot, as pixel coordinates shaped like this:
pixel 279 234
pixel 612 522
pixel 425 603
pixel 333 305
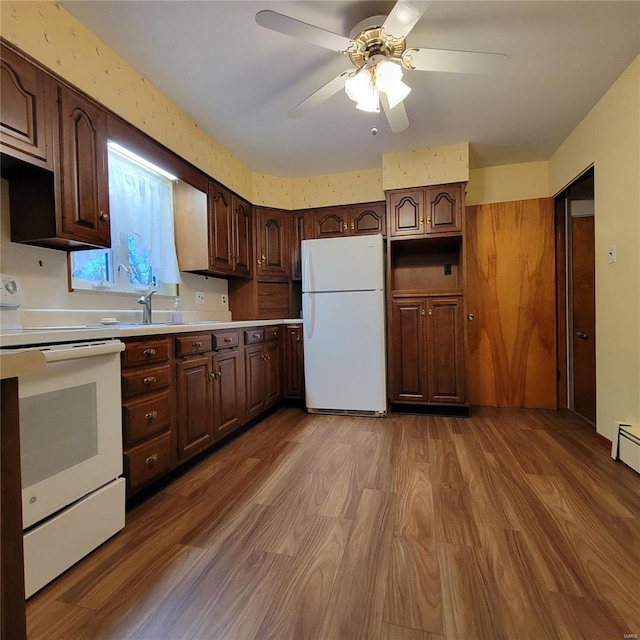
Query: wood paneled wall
pixel 510 288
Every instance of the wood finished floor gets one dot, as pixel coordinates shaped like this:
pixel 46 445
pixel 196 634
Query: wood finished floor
pixel 510 524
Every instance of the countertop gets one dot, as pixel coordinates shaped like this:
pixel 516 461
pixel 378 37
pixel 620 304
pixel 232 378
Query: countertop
pixel 52 335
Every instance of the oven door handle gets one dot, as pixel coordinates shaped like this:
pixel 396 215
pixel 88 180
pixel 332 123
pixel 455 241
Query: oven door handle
pixel 72 352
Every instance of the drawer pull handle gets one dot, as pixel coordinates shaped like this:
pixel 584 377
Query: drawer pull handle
pixel 256 335
pixel 104 217
pixel 151 459
pixel 227 339
pixel 150 380
pixel 196 345
pixel 147 353
pixel 151 415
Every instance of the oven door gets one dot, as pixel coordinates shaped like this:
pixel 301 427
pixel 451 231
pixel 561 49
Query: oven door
pixel 70 426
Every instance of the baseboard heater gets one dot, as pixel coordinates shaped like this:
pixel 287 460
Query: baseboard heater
pixel 626 447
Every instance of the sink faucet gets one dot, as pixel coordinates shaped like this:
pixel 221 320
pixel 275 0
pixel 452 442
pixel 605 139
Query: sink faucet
pixel 146 301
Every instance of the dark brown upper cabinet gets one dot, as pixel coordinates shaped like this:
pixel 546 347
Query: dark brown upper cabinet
pixel 84 209
pixel 220 224
pixel 299 233
pixel 349 220
pixel 272 243
pixel 241 237
pixel 425 211
pixel 27 104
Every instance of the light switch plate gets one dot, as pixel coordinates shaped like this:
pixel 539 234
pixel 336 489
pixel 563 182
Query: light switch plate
pixel 612 254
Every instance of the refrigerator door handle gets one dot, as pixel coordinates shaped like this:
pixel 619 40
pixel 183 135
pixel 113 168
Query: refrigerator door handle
pixel 308 315
pixel 307 272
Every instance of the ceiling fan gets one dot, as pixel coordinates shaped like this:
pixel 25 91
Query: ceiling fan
pixel 378 51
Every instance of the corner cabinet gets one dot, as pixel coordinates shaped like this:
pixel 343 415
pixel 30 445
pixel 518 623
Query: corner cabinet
pixel 272 243
pixel 426 297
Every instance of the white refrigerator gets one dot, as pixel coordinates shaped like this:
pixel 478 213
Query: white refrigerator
pixel 344 325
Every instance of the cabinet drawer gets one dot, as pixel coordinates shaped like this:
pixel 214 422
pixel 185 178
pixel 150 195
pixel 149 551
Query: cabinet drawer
pixel 193 344
pixel 222 340
pixel 142 419
pixel 148 461
pixel 253 335
pixel 137 382
pixel 145 352
pixel 272 333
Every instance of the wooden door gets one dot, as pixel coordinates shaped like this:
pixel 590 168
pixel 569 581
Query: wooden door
pixel 272 246
pixel 510 294
pixel 445 350
pixel 298 235
pixel 408 363
pixel 583 316
pixel 26 103
pixel 273 372
pixel 367 219
pixel 220 229
pixel 228 392
pixel 84 177
pixel 330 222
pixel 254 376
pixel 241 212
pixel 195 405
pixel 406 209
pixel 444 209
pixel 294 362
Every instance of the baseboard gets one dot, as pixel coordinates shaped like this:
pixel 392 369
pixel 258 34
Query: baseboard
pixel 603 440
pixel 447 411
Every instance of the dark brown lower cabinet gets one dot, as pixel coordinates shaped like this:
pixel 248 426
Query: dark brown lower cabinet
pixel 427 359
pixel 195 405
pixel 228 392
pixel 263 369
pixel 294 362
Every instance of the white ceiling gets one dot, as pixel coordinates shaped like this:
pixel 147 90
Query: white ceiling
pixel 239 80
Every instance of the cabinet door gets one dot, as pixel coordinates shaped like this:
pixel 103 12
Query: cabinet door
pixel 298 235
pixel 242 237
pixel 84 178
pixel 367 219
pixel 408 366
pixel 406 210
pixel 445 349
pixel 273 372
pixel 272 246
pixel 444 209
pixel 220 229
pixel 254 376
pixel 228 396
pixel 195 405
pixel 330 223
pixel 26 117
pixel 294 362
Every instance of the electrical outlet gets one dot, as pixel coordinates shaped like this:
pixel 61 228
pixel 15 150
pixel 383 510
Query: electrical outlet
pixel 612 254
pixel 199 297
pixel 223 299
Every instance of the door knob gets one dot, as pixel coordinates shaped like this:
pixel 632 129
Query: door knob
pixel 582 335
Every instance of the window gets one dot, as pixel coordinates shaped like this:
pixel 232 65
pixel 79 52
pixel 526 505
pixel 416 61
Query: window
pixel 143 252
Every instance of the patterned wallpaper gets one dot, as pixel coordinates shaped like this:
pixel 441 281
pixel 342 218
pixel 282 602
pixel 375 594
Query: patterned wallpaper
pixel 58 41
pixel 338 188
pixel 434 165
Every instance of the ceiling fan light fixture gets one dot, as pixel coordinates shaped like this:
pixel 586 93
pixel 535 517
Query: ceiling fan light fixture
pixel 358 86
pixel 389 80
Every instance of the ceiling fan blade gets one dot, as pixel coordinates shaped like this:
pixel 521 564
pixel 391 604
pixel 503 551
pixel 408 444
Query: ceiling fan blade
pixel 298 29
pixel 397 117
pixel 322 94
pixel 454 61
pixel 403 18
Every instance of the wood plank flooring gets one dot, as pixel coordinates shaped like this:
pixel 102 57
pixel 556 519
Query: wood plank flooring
pixel 509 524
